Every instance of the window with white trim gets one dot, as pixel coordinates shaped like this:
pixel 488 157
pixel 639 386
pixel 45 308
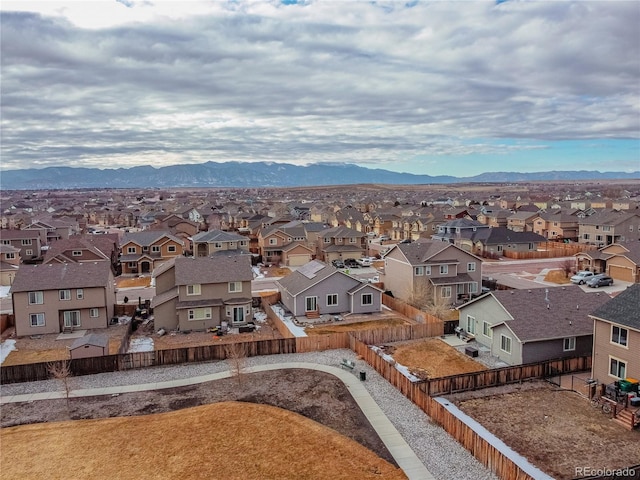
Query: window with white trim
pixel 327 240
pixel 473 287
pixel 26 241
pixel 155 249
pixel 28 252
pixel 243 243
pixel 132 249
pixel 36 319
pixel 94 312
pixel 310 304
pixel 79 293
pixel 617 368
pixel 445 292
pixel 235 287
pixel 619 335
pixel 76 253
pixel 172 249
pixel 36 298
pixel 352 240
pixel 217 245
pixel 471 324
pixel 199 314
pixel 471 267
pixel 569 344
pixel 72 318
pixel 427 270
pixel 418 271
pixel 273 241
pixel 366 299
pixel 6 242
pixel 499 248
pixel 64 294
pixel 486 329
pixel 332 300
pixel 505 344
pixel 10 256
pixel 132 264
pixel 585 236
pixel 194 289
pixel 444 269
pixel 460 288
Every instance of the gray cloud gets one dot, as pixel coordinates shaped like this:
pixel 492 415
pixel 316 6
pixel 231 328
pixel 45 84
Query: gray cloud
pixel 347 81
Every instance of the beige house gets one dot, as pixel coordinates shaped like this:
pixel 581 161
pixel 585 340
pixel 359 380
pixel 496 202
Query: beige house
pixel 144 251
pixel 616 338
pixel 213 242
pixel 621 261
pixel 607 227
pixel 556 226
pixel 432 271
pixel 196 293
pixel 57 297
pixel 28 241
pixel 340 243
pixel 9 264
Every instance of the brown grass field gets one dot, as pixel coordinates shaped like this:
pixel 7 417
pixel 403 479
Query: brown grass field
pixel 556 276
pixel 432 358
pixel 129 282
pixel 20 357
pixel 229 440
pixel 346 327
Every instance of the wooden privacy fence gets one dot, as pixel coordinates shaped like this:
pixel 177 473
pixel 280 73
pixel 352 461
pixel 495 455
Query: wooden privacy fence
pixel 409 311
pixel 269 300
pixel 551 250
pixel 317 343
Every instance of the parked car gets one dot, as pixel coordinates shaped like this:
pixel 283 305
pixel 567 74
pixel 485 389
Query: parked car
pixel 338 263
pixel 364 261
pixel 581 278
pixel 351 263
pixel 600 280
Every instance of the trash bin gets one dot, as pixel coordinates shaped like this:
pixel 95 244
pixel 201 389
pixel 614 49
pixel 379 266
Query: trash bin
pixel 363 376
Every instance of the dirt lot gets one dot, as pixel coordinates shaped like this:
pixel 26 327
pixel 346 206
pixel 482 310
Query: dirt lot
pixel 351 326
pixel 315 395
pixel 557 276
pixel 557 430
pixel 431 358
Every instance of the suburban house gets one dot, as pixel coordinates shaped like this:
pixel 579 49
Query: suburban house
pixel 621 261
pixel 196 293
pixel 459 232
pixel 9 264
pixel 85 248
pixel 213 242
pixel 53 229
pixel 498 241
pixel 432 271
pixel 286 245
pixel 339 243
pixel 141 252
pixel 525 326
pixel 317 289
pixel 556 226
pixel 609 226
pixel 28 241
pixel 58 297
pixel 616 337
pixel 521 221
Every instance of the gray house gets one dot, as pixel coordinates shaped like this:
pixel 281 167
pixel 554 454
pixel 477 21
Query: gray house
pixel 316 289
pixel 524 326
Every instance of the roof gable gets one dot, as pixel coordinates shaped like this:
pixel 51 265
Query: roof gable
pixel 624 309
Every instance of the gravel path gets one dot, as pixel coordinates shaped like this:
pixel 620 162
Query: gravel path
pixel 439 452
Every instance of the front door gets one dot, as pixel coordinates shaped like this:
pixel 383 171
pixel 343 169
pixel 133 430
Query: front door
pixel 145 267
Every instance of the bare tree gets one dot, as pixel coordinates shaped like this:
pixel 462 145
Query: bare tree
pixel 237 357
pixel 567 267
pixel 62 371
pixel 423 297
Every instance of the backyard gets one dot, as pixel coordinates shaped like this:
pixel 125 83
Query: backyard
pixel 557 430
pixel 355 326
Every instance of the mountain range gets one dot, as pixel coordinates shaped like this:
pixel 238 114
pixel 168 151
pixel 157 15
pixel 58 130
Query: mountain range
pixel 260 174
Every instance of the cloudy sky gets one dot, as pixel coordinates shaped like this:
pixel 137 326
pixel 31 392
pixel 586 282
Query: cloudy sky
pixel 455 88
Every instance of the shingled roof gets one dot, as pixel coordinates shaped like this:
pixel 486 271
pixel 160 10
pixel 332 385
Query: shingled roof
pixel 216 269
pixel 54 276
pixel 624 309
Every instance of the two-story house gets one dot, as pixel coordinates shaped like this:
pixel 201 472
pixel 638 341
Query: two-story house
pixel 607 227
pixel 621 261
pixel 58 297
pixel 9 264
pixel 459 232
pixel 339 243
pixel 85 248
pixel 616 338
pixel 556 225
pixel 196 293
pixel 28 241
pixel 141 252
pixel 432 271
pixel 521 221
pixel 286 245
pixel 214 242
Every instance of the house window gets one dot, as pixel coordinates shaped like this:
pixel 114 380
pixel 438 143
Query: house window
pixel 28 252
pixel 460 288
pixel 445 292
pixel 199 314
pixel 444 269
pixel 155 249
pixel 631 228
pixel 36 298
pixel 171 249
pixel 243 243
pixel 10 256
pixel 235 287
pixel 585 236
pixel 367 299
pixel 619 335
pixel 332 299
pixel 505 344
pixel 193 289
pixel 606 228
pixel 217 245
pixel 327 240
pixel 569 344
pixel 79 293
pixel 352 240
pixel 132 264
pixel 145 248
pixel 238 315
pixel 427 270
pixel 6 242
pixel 531 247
pixel 310 304
pixel 94 312
pixel 598 238
pixel 36 319
pixel 64 294
pixel 26 241
pixel 273 241
pixel 77 253
pixel 486 329
pixel 72 318
pixel 473 287
pixel 471 267
pixel 131 250
pixel 418 271
pixel 499 248
pixel 617 368
pixel 471 324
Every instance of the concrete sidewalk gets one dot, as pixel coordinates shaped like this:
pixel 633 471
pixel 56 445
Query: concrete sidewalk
pixel 399 449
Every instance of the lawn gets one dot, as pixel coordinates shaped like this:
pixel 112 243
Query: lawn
pixel 557 276
pixel 432 358
pixel 346 327
pixel 229 440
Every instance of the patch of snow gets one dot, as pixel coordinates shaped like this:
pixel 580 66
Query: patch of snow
pixel 288 321
pixel 398 366
pixel 141 344
pixel 4 291
pixel 257 273
pixel 6 348
pixel 259 316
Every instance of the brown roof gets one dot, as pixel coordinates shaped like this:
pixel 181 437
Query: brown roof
pixel 55 276
pixel 216 269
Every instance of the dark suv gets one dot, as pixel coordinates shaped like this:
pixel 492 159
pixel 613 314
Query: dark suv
pixel 351 263
pixel 600 280
pixel 337 264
